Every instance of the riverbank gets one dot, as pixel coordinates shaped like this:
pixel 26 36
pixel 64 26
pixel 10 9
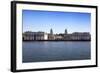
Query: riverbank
pixel 57 40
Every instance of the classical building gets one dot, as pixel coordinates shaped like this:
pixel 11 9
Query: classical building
pixel 50 36
pixel 66 31
pixel 35 36
pixel 58 37
pixel 51 31
pixel 78 36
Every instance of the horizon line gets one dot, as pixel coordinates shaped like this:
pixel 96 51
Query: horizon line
pixel 57 33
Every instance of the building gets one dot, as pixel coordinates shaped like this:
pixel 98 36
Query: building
pixel 35 36
pixel 51 31
pixel 58 37
pixel 51 36
pixel 65 31
pixel 76 36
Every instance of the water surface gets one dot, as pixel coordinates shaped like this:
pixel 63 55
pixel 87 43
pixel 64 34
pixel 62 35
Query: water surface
pixel 40 51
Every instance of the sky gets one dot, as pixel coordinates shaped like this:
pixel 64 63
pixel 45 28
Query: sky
pixel 36 20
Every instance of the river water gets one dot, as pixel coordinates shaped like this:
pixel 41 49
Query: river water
pixel 43 51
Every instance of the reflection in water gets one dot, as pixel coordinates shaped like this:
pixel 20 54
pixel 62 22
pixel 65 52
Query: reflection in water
pixel 55 51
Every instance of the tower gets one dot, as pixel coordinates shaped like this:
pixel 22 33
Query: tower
pixel 51 31
pixel 65 31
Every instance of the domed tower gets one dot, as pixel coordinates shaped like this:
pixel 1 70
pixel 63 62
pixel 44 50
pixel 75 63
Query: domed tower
pixel 51 35
pixel 51 31
pixel 66 31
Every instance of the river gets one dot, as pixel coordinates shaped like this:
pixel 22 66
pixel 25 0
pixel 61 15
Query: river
pixel 43 51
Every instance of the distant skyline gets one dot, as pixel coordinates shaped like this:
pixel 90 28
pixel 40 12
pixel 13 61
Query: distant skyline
pixel 35 20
